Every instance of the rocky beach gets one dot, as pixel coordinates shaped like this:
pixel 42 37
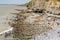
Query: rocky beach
pixel 33 21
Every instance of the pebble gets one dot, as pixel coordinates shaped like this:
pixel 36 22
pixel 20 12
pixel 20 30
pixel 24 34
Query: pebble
pixel 53 34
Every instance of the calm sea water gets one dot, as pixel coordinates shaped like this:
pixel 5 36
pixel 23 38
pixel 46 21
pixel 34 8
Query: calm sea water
pixel 6 9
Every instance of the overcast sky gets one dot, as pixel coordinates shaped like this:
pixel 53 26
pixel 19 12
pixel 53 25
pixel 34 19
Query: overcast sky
pixel 13 1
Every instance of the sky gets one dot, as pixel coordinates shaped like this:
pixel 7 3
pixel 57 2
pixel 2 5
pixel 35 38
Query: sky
pixel 14 1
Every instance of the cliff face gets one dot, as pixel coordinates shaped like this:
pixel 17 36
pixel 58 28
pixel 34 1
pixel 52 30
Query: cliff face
pixel 53 6
pixel 40 4
pixel 50 5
